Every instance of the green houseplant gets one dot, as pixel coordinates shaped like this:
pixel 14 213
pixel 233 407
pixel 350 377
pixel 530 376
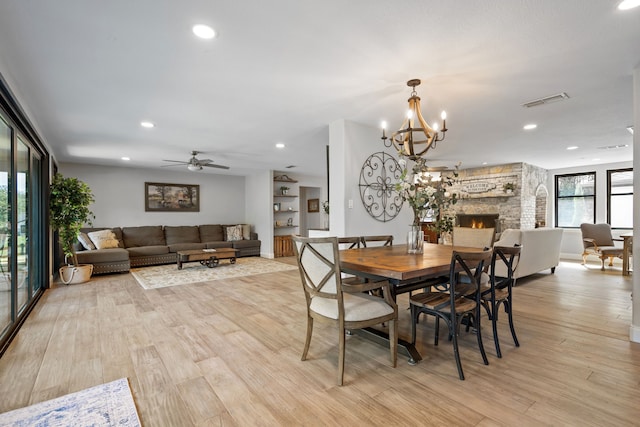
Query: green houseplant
pixel 509 187
pixel 69 200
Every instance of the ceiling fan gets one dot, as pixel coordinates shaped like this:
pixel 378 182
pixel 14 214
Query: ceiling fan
pixel 195 164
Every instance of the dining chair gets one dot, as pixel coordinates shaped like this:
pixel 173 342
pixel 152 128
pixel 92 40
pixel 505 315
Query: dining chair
pixel 387 240
pixel 458 301
pixel 597 240
pixel 473 237
pixel 499 290
pixel 349 242
pixel 346 306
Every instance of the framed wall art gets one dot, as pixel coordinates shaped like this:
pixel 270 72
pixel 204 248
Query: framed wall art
pixel 162 197
pixel 313 205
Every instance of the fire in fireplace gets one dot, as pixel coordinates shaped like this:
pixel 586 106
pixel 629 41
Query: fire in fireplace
pixel 478 220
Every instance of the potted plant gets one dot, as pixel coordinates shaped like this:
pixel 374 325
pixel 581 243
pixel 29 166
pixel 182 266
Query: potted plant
pixel 69 200
pixel 509 187
pixel 284 190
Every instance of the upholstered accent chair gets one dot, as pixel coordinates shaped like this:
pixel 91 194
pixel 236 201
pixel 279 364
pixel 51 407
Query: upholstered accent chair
pixel 597 240
pixel 346 306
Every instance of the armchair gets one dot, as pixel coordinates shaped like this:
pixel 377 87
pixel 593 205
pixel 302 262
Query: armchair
pixel 597 240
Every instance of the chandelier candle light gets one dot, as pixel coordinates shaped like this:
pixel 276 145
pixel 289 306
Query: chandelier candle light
pixel 408 140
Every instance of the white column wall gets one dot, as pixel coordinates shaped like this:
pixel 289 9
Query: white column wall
pixel 350 145
pixel 634 333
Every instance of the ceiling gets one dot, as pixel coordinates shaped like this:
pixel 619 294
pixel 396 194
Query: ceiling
pixel 88 72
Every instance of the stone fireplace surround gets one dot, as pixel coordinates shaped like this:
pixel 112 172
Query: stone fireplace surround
pixel 481 193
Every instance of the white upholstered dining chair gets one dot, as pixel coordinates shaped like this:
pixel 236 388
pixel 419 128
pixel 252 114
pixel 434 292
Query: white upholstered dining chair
pixel 346 306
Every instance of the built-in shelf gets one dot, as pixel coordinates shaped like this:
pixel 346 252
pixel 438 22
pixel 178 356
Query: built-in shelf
pixel 285 226
pixel 284 195
pixel 283 178
pixel 284 211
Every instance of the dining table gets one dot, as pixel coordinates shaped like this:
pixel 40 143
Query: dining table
pixel 405 272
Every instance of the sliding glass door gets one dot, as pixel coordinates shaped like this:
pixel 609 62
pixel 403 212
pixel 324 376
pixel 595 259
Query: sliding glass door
pixel 23 251
pixel 6 294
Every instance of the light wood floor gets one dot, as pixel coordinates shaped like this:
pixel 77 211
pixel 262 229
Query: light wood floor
pixel 228 353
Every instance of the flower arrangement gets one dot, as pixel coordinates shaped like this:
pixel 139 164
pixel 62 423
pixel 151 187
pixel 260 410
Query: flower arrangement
pixel 325 206
pixel 427 192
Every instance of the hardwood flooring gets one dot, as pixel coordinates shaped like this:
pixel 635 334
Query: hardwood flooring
pixel 228 353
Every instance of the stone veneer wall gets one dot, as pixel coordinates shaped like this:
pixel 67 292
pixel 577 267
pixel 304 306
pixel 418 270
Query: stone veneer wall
pixel 481 191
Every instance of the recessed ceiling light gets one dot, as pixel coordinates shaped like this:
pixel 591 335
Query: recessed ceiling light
pixel 530 126
pixel 628 4
pixel 147 125
pixel 484 163
pixel 573 147
pixel 126 159
pixel 204 31
pixel 279 145
pixel 595 160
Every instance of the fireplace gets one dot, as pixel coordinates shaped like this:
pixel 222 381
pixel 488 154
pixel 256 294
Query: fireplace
pixel 478 221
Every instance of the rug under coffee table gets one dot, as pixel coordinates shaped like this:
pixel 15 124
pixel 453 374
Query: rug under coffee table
pixel 209 257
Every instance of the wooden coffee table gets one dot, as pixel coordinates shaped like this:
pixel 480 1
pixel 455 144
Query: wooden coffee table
pixel 209 257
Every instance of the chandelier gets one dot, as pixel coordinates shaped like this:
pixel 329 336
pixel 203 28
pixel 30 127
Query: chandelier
pixel 412 141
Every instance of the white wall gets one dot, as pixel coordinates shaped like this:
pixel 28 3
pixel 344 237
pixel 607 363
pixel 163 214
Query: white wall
pixel 634 330
pixel 571 247
pixel 119 195
pixel 351 144
pixel 258 202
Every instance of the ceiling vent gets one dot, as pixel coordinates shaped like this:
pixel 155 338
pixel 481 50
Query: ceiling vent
pixel 613 147
pixel 290 166
pixel 546 100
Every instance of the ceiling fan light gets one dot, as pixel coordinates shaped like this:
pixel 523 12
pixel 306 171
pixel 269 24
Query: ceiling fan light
pixel 194 168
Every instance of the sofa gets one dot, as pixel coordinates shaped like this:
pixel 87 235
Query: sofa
pixel 540 250
pixel 157 244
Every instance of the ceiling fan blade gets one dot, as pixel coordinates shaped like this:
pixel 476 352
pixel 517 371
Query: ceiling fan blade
pixel 176 164
pixel 176 161
pixel 203 161
pixel 216 166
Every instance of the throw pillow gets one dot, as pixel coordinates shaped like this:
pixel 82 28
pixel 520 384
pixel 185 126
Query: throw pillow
pixel 86 242
pixel 246 231
pixel 234 233
pixel 103 239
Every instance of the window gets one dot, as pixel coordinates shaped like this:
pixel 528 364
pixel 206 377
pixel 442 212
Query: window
pixel 575 199
pixel 620 198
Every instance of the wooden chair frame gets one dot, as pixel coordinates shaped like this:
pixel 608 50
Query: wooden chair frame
pixel 330 287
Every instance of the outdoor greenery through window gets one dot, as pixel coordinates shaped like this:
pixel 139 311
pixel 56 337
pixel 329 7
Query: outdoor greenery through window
pixel 620 201
pixel 575 199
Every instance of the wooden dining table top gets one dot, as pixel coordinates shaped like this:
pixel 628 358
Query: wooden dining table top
pixel 393 262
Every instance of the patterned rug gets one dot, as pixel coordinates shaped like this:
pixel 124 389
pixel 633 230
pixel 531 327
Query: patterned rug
pixel 161 276
pixel 108 404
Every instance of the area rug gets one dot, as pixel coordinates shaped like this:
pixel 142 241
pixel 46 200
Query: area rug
pixel 108 404
pixel 162 276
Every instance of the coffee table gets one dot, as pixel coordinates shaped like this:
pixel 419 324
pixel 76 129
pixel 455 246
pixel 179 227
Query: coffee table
pixel 209 257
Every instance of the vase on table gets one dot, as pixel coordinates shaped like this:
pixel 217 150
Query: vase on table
pixel 415 240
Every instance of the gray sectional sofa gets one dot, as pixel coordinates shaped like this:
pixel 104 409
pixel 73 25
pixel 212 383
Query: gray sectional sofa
pixel 152 245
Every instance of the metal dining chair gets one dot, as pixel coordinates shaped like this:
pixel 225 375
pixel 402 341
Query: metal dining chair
pixel 457 301
pixel 498 291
